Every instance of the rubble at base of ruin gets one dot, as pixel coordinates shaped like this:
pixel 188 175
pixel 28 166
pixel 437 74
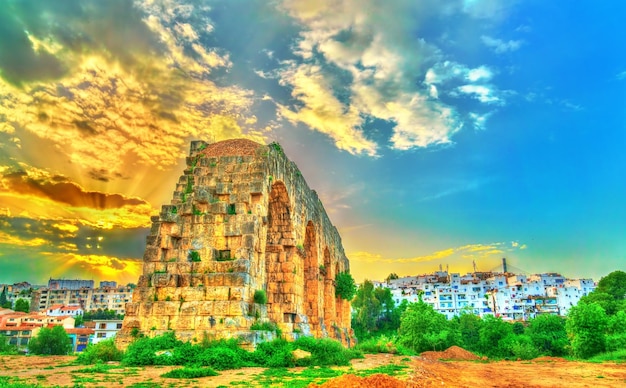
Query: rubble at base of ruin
pixel 242 220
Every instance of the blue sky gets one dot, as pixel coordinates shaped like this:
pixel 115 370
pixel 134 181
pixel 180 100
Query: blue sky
pixel 436 133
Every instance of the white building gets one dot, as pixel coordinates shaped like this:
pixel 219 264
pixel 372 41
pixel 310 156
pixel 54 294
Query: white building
pixel 105 329
pixel 507 295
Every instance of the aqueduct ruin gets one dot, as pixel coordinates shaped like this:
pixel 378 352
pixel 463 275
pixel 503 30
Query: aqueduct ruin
pixel 242 220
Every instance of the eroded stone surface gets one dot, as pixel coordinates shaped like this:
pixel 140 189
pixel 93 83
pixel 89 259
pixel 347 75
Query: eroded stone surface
pixel 242 219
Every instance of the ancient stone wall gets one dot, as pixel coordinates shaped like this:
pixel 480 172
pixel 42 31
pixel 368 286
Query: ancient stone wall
pixel 242 219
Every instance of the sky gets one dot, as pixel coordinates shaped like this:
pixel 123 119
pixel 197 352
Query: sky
pixel 437 133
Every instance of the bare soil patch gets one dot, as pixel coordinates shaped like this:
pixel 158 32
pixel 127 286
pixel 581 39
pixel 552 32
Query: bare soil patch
pixel 421 372
pixel 454 353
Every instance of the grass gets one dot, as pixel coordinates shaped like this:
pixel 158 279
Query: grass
pixel 616 356
pixel 16 382
pixel 99 368
pixel 390 369
pixel 190 373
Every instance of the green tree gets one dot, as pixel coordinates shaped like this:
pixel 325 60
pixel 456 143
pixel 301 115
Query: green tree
pixel 5 348
pixel 616 332
pixel 367 309
pixel 586 326
pixel 548 334
pixel 79 321
pixel 344 286
pixel 22 305
pixel 613 284
pixel 422 328
pixel 492 332
pixel 604 300
pixel 4 303
pixel 469 326
pixel 101 314
pixel 51 341
pixel 391 276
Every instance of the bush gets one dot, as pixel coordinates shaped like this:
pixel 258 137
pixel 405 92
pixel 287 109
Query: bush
pixel 274 354
pixel 54 341
pixel 383 344
pixel 345 288
pixel 103 351
pixel 326 351
pixel 143 351
pixel 5 348
pixel 194 256
pixel 520 347
pixel 260 297
pixel 267 326
pixel 221 358
pixel 190 373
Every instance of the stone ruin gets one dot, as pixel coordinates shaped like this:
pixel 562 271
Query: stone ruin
pixel 242 219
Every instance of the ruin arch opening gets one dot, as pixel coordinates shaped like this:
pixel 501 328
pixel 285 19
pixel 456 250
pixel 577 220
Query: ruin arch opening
pixel 311 278
pixel 279 256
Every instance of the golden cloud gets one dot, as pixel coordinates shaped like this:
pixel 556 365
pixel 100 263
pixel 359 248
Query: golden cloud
pixel 123 270
pixel 9 239
pixel 126 98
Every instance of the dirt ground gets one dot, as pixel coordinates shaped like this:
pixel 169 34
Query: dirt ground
pixel 421 371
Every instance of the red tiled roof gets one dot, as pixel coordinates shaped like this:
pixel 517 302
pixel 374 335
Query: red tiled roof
pixel 79 331
pixel 55 307
pixel 18 328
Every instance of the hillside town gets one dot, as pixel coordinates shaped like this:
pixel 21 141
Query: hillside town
pixel 507 295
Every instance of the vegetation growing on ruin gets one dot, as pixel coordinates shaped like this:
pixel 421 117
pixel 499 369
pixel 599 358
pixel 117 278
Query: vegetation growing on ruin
pixel 260 297
pixel 345 288
pixel 194 256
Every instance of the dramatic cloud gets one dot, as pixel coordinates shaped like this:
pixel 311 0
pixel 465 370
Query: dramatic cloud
pixel 360 61
pixel 35 193
pixel 60 189
pixel 367 60
pixel 111 82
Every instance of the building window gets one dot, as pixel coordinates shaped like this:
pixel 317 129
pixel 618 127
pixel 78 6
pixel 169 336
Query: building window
pixel 103 325
pixel 119 325
pixel 101 335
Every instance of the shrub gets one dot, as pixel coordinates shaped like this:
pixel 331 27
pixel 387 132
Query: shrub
pixel 326 351
pixel 267 326
pixel 260 297
pixel 143 350
pixel 345 288
pixel 274 354
pixel 103 351
pixel 381 344
pixel 190 373
pixel 221 358
pixel 194 256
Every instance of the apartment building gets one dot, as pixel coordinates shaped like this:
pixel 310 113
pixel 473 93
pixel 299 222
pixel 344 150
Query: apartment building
pixel 69 284
pixel 89 299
